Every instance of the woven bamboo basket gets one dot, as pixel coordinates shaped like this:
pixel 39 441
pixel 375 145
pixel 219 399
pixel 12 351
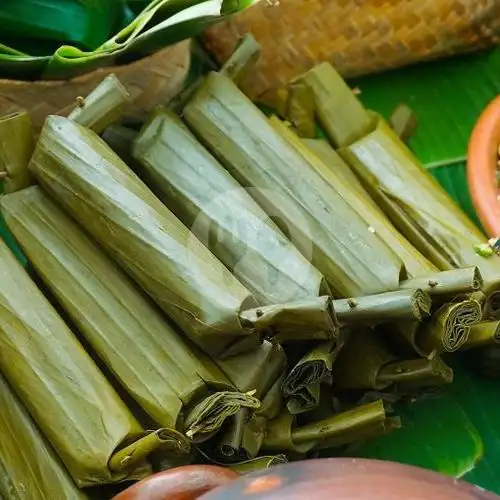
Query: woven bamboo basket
pixel 356 36
pixel 150 81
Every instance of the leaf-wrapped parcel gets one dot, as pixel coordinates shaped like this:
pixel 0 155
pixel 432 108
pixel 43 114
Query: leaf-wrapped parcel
pixel 30 468
pixel 302 383
pixel 320 223
pixel 417 204
pixel 103 106
pixel 222 214
pixel 376 221
pixel 191 285
pixel 69 398
pixel 447 285
pixel 367 362
pixel 339 111
pixel 260 372
pixel 167 376
pixel 16 147
pixel 401 305
pixel 449 327
pixel 347 427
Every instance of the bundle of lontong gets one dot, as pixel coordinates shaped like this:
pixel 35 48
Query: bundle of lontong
pixel 223 289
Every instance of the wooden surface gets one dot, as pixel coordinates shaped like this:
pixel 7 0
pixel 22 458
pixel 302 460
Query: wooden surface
pixel 150 81
pixel 356 36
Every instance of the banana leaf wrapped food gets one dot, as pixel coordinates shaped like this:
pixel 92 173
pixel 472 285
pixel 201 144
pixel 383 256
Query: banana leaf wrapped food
pixel 167 376
pixel 103 106
pixel 193 184
pixel 188 282
pixel 331 159
pixel 307 319
pixel 142 235
pixel 408 305
pixel 377 222
pixel 30 468
pixel 417 204
pixel 321 224
pixel 366 362
pixel 242 60
pixel 449 327
pixel 483 334
pixel 262 376
pixel 244 434
pixel 68 397
pixel 447 285
pixel 344 428
pixel 16 147
pixel 302 383
pixel 339 112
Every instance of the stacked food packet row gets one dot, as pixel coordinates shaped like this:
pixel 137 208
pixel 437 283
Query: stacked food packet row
pixel 220 286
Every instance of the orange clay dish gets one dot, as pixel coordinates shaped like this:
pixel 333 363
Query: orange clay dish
pixel 482 168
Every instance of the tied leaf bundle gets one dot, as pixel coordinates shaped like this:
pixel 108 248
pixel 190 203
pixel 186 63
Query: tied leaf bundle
pixel 143 236
pixel 30 468
pixel 320 223
pixel 170 379
pixel 69 398
pixel 222 214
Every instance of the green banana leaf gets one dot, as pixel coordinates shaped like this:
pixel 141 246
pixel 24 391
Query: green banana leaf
pixel 221 213
pixel 302 383
pixel 30 468
pixel 165 374
pixel 85 23
pixel 162 23
pixel 442 434
pixel 321 224
pixel 347 427
pixel 16 147
pixel 332 171
pixel 69 398
pixel 142 235
pixel 339 112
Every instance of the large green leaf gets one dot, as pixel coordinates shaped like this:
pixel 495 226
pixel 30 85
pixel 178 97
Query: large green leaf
pixel 437 434
pixel 86 23
pixel 456 434
pixel 161 23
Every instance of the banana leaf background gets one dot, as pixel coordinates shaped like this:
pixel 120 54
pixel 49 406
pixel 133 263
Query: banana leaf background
pixel 46 40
